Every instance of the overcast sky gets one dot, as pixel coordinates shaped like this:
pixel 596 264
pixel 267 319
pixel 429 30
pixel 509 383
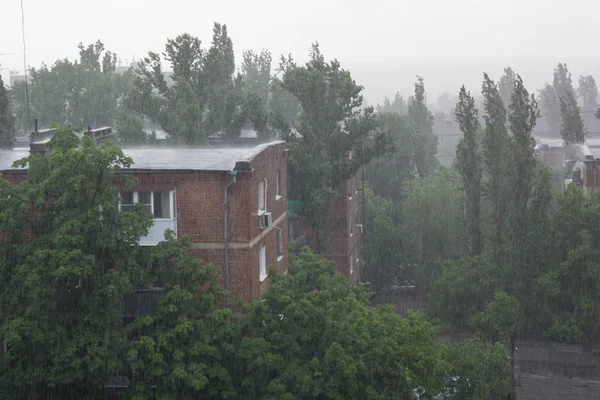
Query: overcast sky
pixel 384 43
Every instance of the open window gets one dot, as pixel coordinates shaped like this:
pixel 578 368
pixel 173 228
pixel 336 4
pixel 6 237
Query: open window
pixel 278 185
pixel 261 196
pixel 262 259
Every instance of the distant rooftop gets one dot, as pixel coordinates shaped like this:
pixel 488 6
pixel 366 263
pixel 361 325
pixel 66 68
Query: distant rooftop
pixel 161 159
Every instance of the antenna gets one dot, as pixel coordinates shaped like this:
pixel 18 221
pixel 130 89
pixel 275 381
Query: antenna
pixel 25 66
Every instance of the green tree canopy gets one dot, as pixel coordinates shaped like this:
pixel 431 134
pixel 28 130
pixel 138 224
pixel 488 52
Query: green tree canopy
pixel 66 261
pixel 312 336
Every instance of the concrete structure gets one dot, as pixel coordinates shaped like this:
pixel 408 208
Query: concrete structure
pixel 230 202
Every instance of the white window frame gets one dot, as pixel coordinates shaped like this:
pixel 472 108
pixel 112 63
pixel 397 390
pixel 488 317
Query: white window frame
pixel 262 263
pixel 261 189
pixel 278 184
pixel 279 245
pixel 172 199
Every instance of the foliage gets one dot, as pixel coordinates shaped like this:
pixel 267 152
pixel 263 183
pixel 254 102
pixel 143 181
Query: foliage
pixel 336 136
pixel 396 106
pixel 461 289
pixel 386 174
pixel 506 85
pixel 89 91
pixel 65 263
pixel 569 286
pixel 468 164
pixel 181 348
pixel 588 90
pixel 480 371
pixel 501 318
pixel 421 123
pixel 433 229
pixel 312 336
pixel 7 120
pixel 383 256
pixel 495 149
pixel 572 129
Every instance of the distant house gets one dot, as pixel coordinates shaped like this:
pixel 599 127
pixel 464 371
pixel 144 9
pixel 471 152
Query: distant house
pixel 585 167
pixel 448 132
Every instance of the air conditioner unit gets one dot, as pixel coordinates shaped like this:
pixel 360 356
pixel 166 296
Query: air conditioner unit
pixel 359 228
pixel 266 220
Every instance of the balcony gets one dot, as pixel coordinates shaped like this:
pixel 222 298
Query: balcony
pixel 162 205
pixel 156 233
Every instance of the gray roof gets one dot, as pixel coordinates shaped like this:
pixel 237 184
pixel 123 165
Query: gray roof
pixel 161 159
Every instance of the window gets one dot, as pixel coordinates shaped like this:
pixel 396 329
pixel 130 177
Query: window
pixel 351 266
pixel 126 201
pixel 277 185
pixel 262 258
pixel 351 226
pixel 157 204
pixel 162 204
pixel 279 245
pixel 261 197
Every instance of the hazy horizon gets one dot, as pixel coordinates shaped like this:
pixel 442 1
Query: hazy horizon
pixel 385 45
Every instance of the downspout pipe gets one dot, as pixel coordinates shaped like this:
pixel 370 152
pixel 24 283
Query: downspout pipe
pixel 226 233
pixel 595 173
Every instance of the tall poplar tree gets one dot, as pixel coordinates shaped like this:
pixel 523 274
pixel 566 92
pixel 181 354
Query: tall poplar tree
pixel 494 151
pixel 468 162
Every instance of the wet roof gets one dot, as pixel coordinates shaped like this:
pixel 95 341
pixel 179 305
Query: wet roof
pixel 164 159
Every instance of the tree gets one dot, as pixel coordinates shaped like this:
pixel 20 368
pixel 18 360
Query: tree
pixel 421 122
pixel 81 93
pixel 495 145
pixel 129 127
pixel 566 286
pixel 479 371
pixel 522 119
pixel 383 255
pixel 312 336
pixel 500 321
pixel 433 228
pixel 468 163
pixel 572 129
pixel 506 85
pixel 256 70
pixel 386 174
pixel 562 81
pixel 335 136
pixel 67 258
pixel 181 349
pixel 7 122
pixel 460 289
pixel 588 92
pixel 397 105
pixel 550 109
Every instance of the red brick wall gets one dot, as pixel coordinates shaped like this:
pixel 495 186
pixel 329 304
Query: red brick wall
pixel 342 246
pixel 200 214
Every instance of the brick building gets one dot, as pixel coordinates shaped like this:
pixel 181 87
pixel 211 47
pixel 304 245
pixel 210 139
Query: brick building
pixel 230 202
pixel 585 167
pixel 343 233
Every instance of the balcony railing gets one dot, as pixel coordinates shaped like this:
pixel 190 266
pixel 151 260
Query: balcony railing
pixel 156 233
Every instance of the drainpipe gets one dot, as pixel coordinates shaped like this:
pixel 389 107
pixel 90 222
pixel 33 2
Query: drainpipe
pixel 226 232
pixel 595 169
